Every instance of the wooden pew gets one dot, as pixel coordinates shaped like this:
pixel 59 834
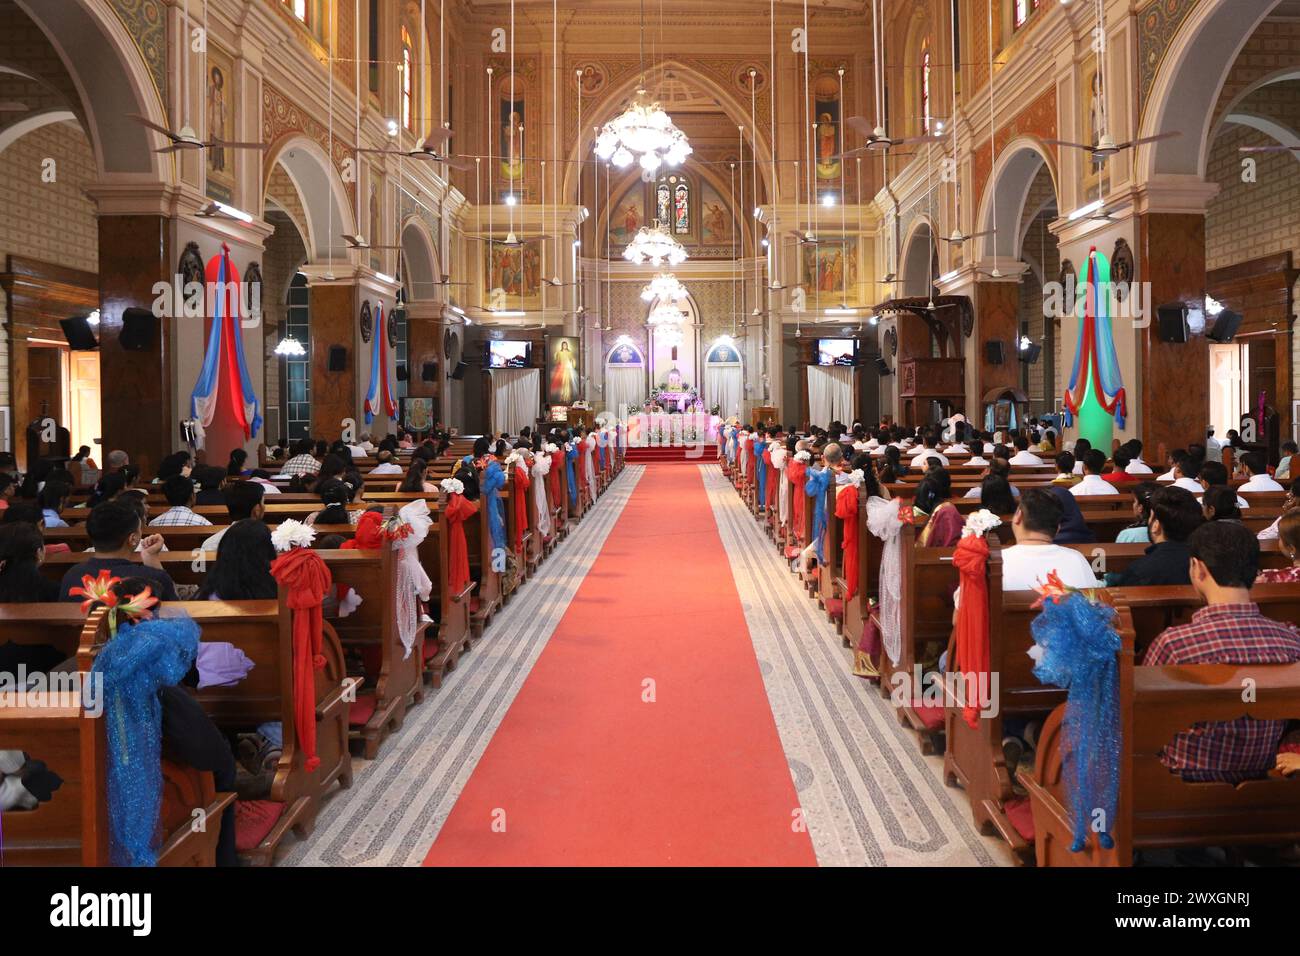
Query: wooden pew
pixel 1157 808
pixel 72 829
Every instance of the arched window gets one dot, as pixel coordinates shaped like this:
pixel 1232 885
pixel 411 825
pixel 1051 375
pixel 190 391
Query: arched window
pixel 296 383
pixel 1020 11
pixel 673 202
pixel 408 79
pixel 925 89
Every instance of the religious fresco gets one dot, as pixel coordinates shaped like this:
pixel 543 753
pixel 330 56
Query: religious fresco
pixel 716 226
pixel 510 118
pixel 375 204
pixel 826 111
pixel 219 119
pixel 1090 119
pixel 514 272
pixel 827 267
pixel 627 217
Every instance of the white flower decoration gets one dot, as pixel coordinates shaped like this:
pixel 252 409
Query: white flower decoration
pixel 856 477
pixel 551 449
pixel 452 486
pixel 292 533
pixel 803 455
pixel 979 523
pixel 513 458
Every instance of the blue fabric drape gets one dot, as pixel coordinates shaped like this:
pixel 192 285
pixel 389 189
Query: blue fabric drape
pixel 819 479
pixel 570 458
pixel 762 473
pixel 141 660
pixel 494 479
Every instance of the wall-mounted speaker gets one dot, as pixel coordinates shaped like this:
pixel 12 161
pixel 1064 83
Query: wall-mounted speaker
pixel 458 372
pixel 1225 327
pixel 139 328
pixel 338 358
pixel 1171 323
pixel 993 353
pixel 882 366
pixel 1029 354
pixel 402 373
pixel 429 372
pixel 80 336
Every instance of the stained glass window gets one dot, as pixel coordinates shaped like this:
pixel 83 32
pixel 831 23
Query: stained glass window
pixel 681 207
pixel 407 80
pixel 1021 9
pixel 925 89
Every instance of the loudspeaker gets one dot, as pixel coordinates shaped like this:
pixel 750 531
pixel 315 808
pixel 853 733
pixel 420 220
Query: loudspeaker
pixel 1171 323
pixel 993 352
pixel 78 333
pixel 402 373
pixel 429 372
pixel 1029 354
pixel 882 366
pixel 459 371
pixel 139 326
pixel 1225 327
pixel 338 359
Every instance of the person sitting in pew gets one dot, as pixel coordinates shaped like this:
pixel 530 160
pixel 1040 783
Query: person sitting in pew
pixel 1213 473
pixel 334 495
pixel 1253 461
pixel 997 495
pixel 1065 470
pixel 53 499
pixel 1187 473
pixel 386 465
pixel 1220 504
pixel 1023 455
pixel 1035 555
pixel 114 531
pixel 302 462
pixel 1137 532
pixel 1172 460
pixel 262 477
pixel 1174 516
pixel 928 451
pixel 242 570
pixel 1080 451
pixel 997 468
pixel 417 477
pixel 933 498
pixel 1283 470
pixel 1288 542
pixel 1074 529
pixel 1289 503
pixel 1093 483
pixel 243 500
pixel 1120 476
pixel 1224 560
pixel 1136 465
pixel 179 493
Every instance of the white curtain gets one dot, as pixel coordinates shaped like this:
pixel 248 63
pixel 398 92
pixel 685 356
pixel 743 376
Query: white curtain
pixel 515 399
pixel 830 394
pixel 624 386
pixel 723 386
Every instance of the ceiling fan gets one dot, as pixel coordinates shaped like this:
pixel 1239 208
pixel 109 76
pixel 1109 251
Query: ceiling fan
pixel 1107 147
pixel 958 237
pixel 808 238
pixel 186 138
pixel 877 138
pixel 359 242
pixel 425 150
pixel 556 283
pixel 510 241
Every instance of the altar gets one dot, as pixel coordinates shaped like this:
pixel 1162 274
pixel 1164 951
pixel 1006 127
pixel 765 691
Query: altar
pixel 676 401
pixel 656 429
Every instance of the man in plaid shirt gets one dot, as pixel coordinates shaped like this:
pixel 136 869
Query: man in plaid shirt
pixel 179 492
pixel 302 462
pixel 1229 630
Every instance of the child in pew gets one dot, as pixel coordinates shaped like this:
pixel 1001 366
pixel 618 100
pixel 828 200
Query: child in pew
pixel 1213 473
pixel 1138 532
pixel 1220 504
pixel 114 529
pixel 1065 470
pixel 1224 561
pixel 334 495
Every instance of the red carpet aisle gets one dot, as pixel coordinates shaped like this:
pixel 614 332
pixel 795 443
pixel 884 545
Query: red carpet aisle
pixel 582 771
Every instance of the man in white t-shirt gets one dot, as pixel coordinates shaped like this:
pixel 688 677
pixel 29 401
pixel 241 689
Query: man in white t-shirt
pixel 1093 483
pixel 927 451
pixel 1187 473
pixel 1259 479
pixel 386 465
pixel 1023 455
pixel 1137 466
pixel 1034 556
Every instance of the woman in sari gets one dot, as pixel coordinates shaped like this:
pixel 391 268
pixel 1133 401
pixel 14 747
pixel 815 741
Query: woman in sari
pixel 944 523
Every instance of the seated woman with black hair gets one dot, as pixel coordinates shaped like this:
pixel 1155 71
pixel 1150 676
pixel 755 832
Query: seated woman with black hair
pixel 242 570
pixel 235 467
pixel 1219 503
pixel 933 498
pixel 334 495
pixel 417 478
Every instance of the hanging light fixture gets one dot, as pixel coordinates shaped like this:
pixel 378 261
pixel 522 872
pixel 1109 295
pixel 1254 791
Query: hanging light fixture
pixel 664 287
pixel 664 315
pixel 653 244
pixel 643 132
pixel 290 347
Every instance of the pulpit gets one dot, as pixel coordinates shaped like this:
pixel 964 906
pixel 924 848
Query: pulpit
pixel 765 414
pixel 583 417
pixel 925 380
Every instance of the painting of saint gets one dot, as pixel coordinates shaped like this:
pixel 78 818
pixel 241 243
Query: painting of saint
pixel 562 375
pixel 512 123
pixel 831 269
pixel 827 111
pixel 628 215
pixel 219 118
pixel 663 204
pixel 715 219
pixel 1091 120
pixel 516 271
pixel 681 209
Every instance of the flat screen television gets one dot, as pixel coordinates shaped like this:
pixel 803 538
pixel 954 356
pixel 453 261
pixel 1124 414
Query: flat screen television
pixel 837 352
pixel 508 354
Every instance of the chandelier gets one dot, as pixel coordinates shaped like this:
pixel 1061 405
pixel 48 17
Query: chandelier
pixel 654 245
pixel 290 347
pixel 669 336
pixel 664 287
pixel 665 314
pixel 643 133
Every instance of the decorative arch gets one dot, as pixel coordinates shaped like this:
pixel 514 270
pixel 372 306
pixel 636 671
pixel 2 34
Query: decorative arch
pixel 419 253
pixel 1008 187
pixel 319 188
pixel 614 98
pixel 919 43
pixel 1187 85
pixel 916 263
pixel 111 80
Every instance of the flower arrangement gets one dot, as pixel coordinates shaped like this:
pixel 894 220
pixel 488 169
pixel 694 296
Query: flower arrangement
pixel 99 590
pixel 452 486
pixel 803 455
pixel 291 534
pixel 980 523
pixel 856 477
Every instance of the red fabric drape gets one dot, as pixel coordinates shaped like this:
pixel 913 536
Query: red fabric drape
pixel 553 484
pixel 520 495
pixel 846 509
pixel 798 473
pixel 752 471
pixel 305 576
pixel 367 536
pixel 971 558
pixel 458 509
pixel 773 476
